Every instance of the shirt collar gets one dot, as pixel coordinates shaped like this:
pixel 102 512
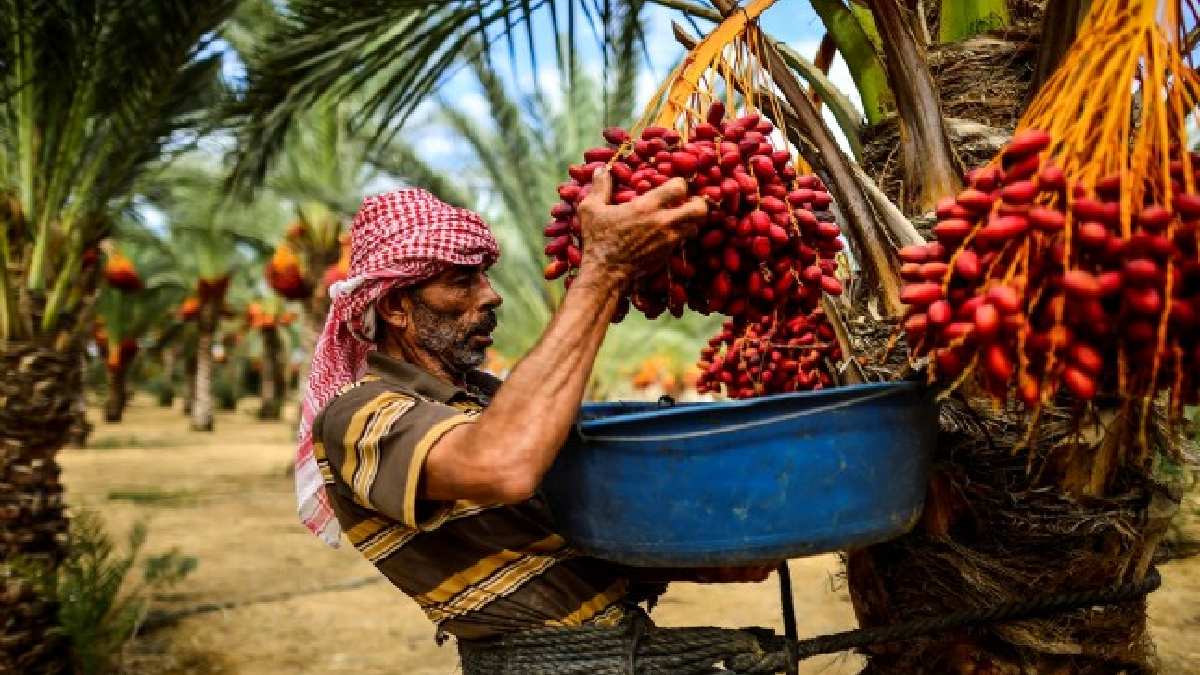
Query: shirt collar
pixel 421 381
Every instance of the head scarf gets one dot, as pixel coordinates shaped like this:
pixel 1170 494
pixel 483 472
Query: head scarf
pixel 397 239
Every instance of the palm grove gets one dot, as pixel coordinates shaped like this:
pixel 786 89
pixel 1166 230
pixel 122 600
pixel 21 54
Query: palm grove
pixel 328 107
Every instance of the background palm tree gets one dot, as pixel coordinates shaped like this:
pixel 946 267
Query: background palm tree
pixel 91 92
pixel 919 68
pixel 125 318
pixel 269 321
pixel 213 241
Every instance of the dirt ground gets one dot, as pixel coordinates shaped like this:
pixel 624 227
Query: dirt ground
pixel 281 602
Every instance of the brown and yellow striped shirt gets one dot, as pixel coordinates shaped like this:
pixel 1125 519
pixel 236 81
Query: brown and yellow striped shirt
pixel 477 570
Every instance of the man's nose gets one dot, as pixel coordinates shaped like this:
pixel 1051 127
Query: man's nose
pixel 490 298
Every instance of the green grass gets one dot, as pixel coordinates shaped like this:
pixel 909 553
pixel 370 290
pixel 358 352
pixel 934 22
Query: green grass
pixel 154 496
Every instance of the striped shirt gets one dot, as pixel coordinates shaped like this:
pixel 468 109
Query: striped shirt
pixel 477 570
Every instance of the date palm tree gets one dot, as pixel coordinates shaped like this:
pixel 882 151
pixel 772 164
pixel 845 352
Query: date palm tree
pixel 91 92
pixel 125 318
pixel 269 321
pixel 211 241
pixel 941 84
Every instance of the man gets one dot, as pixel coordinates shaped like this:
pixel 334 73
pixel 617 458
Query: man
pixel 430 466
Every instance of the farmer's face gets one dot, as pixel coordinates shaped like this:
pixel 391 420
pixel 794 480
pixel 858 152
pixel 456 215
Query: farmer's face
pixel 451 317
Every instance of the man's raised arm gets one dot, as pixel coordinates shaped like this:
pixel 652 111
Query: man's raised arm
pixel 504 454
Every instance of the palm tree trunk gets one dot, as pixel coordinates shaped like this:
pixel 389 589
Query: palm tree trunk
pixel 189 384
pixel 202 401
pixel 166 395
pixel 80 427
pixel 114 404
pixel 1069 513
pixel 993 532
pixel 36 397
pixel 272 386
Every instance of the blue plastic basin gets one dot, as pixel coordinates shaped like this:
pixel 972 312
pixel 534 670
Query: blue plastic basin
pixel 742 482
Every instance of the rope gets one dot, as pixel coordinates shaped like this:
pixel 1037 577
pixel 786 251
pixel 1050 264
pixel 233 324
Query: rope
pixel 614 651
pixel 1025 609
pixel 591 650
pixel 731 428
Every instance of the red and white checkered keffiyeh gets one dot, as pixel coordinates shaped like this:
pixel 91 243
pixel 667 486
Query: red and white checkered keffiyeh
pixel 398 238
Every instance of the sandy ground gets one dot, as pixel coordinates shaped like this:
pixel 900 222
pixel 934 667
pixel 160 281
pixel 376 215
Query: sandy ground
pixel 300 607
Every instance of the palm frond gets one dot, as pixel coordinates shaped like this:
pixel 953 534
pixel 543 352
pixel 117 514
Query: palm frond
pixel 846 27
pixel 503 177
pixel 394 52
pixel 323 161
pixel 621 101
pixel 513 137
pixel 400 159
pixel 210 237
pixel 91 92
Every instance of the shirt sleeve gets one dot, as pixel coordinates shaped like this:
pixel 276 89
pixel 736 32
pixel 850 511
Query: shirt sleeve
pixel 376 441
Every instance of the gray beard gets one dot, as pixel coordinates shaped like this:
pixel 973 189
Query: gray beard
pixel 440 335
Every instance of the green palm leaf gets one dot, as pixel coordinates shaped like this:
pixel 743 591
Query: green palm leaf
pixel 91 93
pixel 394 52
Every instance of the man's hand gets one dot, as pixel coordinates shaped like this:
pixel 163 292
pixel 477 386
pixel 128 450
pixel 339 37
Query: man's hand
pixel 623 239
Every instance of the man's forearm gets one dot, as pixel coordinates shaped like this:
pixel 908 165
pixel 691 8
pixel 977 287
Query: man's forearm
pixel 503 455
pixel 550 381
pixel 532 413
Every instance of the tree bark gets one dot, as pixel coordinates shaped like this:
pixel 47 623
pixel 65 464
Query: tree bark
pixel 189 384
pixel 80 427
pixel 36 396
pixel 272 385
pixel 1003 522
pixel 166 395
pixel 114 404
pixel 993 532
pixel 202 400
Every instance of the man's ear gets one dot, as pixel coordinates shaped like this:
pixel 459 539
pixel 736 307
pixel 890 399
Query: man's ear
pixel 392 309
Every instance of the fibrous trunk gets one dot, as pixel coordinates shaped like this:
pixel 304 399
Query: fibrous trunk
pixel 114 404
pixel 202 397
pixel 166 395
pixel 36 394
pixel 272 375
pixel 995 531
pixel 80 427
pixel 982 84
pixel 1005 523
pixel 189 384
